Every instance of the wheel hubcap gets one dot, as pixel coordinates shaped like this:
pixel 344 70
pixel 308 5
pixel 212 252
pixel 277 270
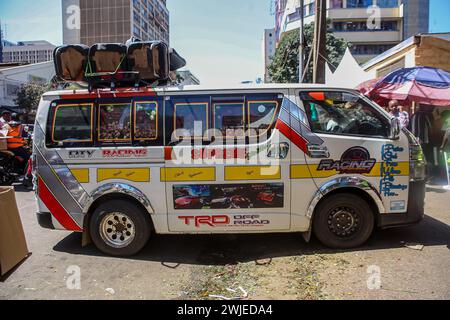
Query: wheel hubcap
pixel 117 230
pixel 343 221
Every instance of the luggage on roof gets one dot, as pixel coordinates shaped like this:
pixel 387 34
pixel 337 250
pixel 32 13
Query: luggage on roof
pixel 150 59
pixel 70 62
pixel 116 64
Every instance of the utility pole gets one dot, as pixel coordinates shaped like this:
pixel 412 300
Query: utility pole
pixel 301 49
pixel 320 39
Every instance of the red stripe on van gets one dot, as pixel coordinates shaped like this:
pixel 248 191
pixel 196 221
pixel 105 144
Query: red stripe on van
pixel 168 153
pixel 56 209
pixel 107 93
pixel 293 136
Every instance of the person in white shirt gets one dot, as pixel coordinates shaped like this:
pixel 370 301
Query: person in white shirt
pixel 4 120
pixel 397 111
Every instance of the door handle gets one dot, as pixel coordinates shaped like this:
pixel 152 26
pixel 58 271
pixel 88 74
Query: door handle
pixel 316 152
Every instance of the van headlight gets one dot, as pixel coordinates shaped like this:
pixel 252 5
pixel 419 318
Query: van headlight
pixel 417 163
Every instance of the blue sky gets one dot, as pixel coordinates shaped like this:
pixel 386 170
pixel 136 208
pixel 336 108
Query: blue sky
pixel 220 39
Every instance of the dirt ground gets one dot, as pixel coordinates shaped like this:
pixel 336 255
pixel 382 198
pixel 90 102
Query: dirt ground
pixel 279 266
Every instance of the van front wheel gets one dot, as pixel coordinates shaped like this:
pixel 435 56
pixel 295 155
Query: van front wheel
pixel 120 228
pixel 343 221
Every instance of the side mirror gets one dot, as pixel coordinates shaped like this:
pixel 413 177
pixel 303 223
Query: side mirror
pixel 395 129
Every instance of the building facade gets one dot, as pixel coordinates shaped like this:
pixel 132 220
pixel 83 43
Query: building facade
pixel 114 21
pixel 269 47
pixel 370 26
pixel 12 76
pixel 427 50
pixel 27 51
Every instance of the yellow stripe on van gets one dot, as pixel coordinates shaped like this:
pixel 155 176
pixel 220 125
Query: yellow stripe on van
pixel 82 175
pixel 253 173
pixel 188 174
pixel 303 171
pixel 135 175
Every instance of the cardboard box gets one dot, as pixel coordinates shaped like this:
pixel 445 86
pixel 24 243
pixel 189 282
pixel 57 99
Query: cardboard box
pixel 3 143
pixel 13 245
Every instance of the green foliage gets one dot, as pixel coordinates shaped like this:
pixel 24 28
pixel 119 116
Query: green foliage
pixel 28 97
pixel 284 67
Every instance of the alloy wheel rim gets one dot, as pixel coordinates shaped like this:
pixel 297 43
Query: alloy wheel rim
pixel 117 230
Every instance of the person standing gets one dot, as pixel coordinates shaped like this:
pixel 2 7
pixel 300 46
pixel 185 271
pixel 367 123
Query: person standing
pixel 396 110
pixel 16 142
pixel 5 118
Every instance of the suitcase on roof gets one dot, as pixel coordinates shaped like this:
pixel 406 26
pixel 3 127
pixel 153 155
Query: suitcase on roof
pixel 70 62
pixel 150 59
pixel 107 63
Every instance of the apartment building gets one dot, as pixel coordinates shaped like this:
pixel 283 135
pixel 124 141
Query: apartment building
pixel 114 21
pixel 370 26
pixel 269 47
pixel 27 51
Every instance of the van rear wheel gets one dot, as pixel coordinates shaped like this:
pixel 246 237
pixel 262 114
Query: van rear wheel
pixel 120 228
pixel 343 221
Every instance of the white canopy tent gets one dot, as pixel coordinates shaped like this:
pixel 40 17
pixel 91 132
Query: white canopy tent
pixel 348 74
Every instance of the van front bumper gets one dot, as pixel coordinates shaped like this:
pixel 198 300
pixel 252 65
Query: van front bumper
pixel 45 220
pixel 416 208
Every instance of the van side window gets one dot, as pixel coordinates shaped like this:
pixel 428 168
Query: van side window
pixel 261 116
pixel 146 121
pixel 191 120
pixel 72 123
pixel 114 122
pixel 229 119
pixel 341 113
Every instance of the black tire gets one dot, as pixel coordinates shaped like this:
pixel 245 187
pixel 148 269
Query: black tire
pixel 140 219
pixel 343 221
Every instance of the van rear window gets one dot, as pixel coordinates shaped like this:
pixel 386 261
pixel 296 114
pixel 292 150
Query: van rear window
pixel 72 123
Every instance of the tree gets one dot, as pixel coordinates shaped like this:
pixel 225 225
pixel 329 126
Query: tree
pixel 284 66
pixel 28 97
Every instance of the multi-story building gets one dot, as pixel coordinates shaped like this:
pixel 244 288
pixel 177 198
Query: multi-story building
pixel 114 21
pixel 370 26
pixel 269 46
pixel 27 51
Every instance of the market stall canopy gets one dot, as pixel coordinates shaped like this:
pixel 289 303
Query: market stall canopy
pixel 348 74
pixel 423 85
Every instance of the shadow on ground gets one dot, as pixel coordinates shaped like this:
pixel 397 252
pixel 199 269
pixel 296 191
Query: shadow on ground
pixel 230 249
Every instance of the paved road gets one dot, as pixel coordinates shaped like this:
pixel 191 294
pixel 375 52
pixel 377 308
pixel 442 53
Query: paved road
pixel 169 264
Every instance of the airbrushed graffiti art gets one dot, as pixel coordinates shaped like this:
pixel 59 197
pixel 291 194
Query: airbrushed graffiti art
pixel 236 196
pixel 389 171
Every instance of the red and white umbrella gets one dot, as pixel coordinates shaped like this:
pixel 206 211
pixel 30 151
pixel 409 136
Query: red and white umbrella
pixel 423 85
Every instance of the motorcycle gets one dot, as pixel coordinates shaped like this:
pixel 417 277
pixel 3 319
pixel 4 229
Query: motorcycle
pixel 13 167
